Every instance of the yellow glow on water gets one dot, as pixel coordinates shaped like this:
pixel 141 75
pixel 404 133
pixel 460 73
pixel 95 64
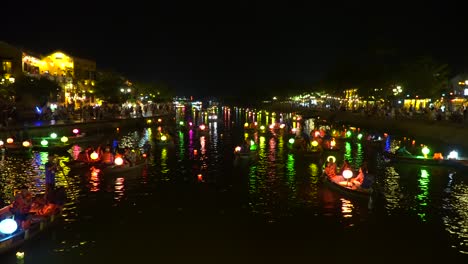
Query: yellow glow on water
pixel 314 170
pixel 347 208
pixel 163 161
pixel 119 189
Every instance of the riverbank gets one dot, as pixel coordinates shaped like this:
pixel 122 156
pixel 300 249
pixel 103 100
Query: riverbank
pixel 445 132
pixel 31 129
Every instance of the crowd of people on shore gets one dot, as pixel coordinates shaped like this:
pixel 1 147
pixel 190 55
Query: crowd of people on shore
pixel 10 116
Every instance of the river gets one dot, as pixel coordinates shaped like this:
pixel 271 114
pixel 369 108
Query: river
pixel 195 202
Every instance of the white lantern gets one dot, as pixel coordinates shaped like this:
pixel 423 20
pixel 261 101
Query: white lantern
pixel 8 226
pixel 118 161
pixel 347 174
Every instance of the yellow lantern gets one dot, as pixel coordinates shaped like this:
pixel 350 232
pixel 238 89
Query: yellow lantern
pixel 314 143
pixel 94 155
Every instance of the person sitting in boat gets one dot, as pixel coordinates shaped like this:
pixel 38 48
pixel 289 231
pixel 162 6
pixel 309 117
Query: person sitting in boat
pixel 330 169
pixel 84 155
pixel 345 166
pixel 129 156
pixel 362 179
pixel 245 148
pixel 402 151
pixel 21 207
pixel 147 148
pixel 300 143
pixel 107 156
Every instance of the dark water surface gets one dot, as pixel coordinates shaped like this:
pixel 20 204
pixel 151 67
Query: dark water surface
pixel 196 203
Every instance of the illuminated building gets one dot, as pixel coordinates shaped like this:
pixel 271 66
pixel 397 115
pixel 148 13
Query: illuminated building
pixel 10 62
pixel 75 75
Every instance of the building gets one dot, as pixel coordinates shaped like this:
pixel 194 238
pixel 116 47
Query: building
pixel 10 62
pixel 76 76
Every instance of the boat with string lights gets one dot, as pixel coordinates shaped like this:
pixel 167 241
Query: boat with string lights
pixel 123 168
pixel 437 159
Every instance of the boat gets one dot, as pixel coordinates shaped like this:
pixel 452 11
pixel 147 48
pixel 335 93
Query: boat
pixel 456 163
pixel 311 154
pixel 120 170
pixel 347 187
pixel 54 147
pixel 12 240
pixel 24 147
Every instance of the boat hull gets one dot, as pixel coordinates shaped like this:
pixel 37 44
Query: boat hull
pixel 18 238
pixel 339 184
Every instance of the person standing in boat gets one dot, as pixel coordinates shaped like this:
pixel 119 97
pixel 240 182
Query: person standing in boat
pixel 330 169
pixel 50 170
pixel 107 156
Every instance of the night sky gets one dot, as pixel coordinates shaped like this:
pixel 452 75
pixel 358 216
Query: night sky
pixel 201 48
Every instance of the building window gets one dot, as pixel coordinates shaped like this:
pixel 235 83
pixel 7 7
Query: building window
pixel 6 67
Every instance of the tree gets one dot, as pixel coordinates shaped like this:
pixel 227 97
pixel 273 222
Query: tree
pixel 154 91
pixel 32 91
pixel 425 78
pixel 108 85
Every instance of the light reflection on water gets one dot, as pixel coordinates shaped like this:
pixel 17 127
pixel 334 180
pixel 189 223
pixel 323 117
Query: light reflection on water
pixel 278 184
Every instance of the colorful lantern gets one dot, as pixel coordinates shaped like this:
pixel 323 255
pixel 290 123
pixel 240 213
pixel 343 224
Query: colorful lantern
pixel 237 149
pixel 94 155
pixel 118 161
pixel 8 226
pixel 425 150
pixel 452 155
pixel 44 142
pixel 331 157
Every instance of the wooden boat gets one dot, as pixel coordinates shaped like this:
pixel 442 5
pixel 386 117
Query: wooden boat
pixel 77 165
pixel 122 170
pixel 348 188
pixel 55 147
pixel 456 163
pixel 38 225
pixel 246 155
pixel 17 148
